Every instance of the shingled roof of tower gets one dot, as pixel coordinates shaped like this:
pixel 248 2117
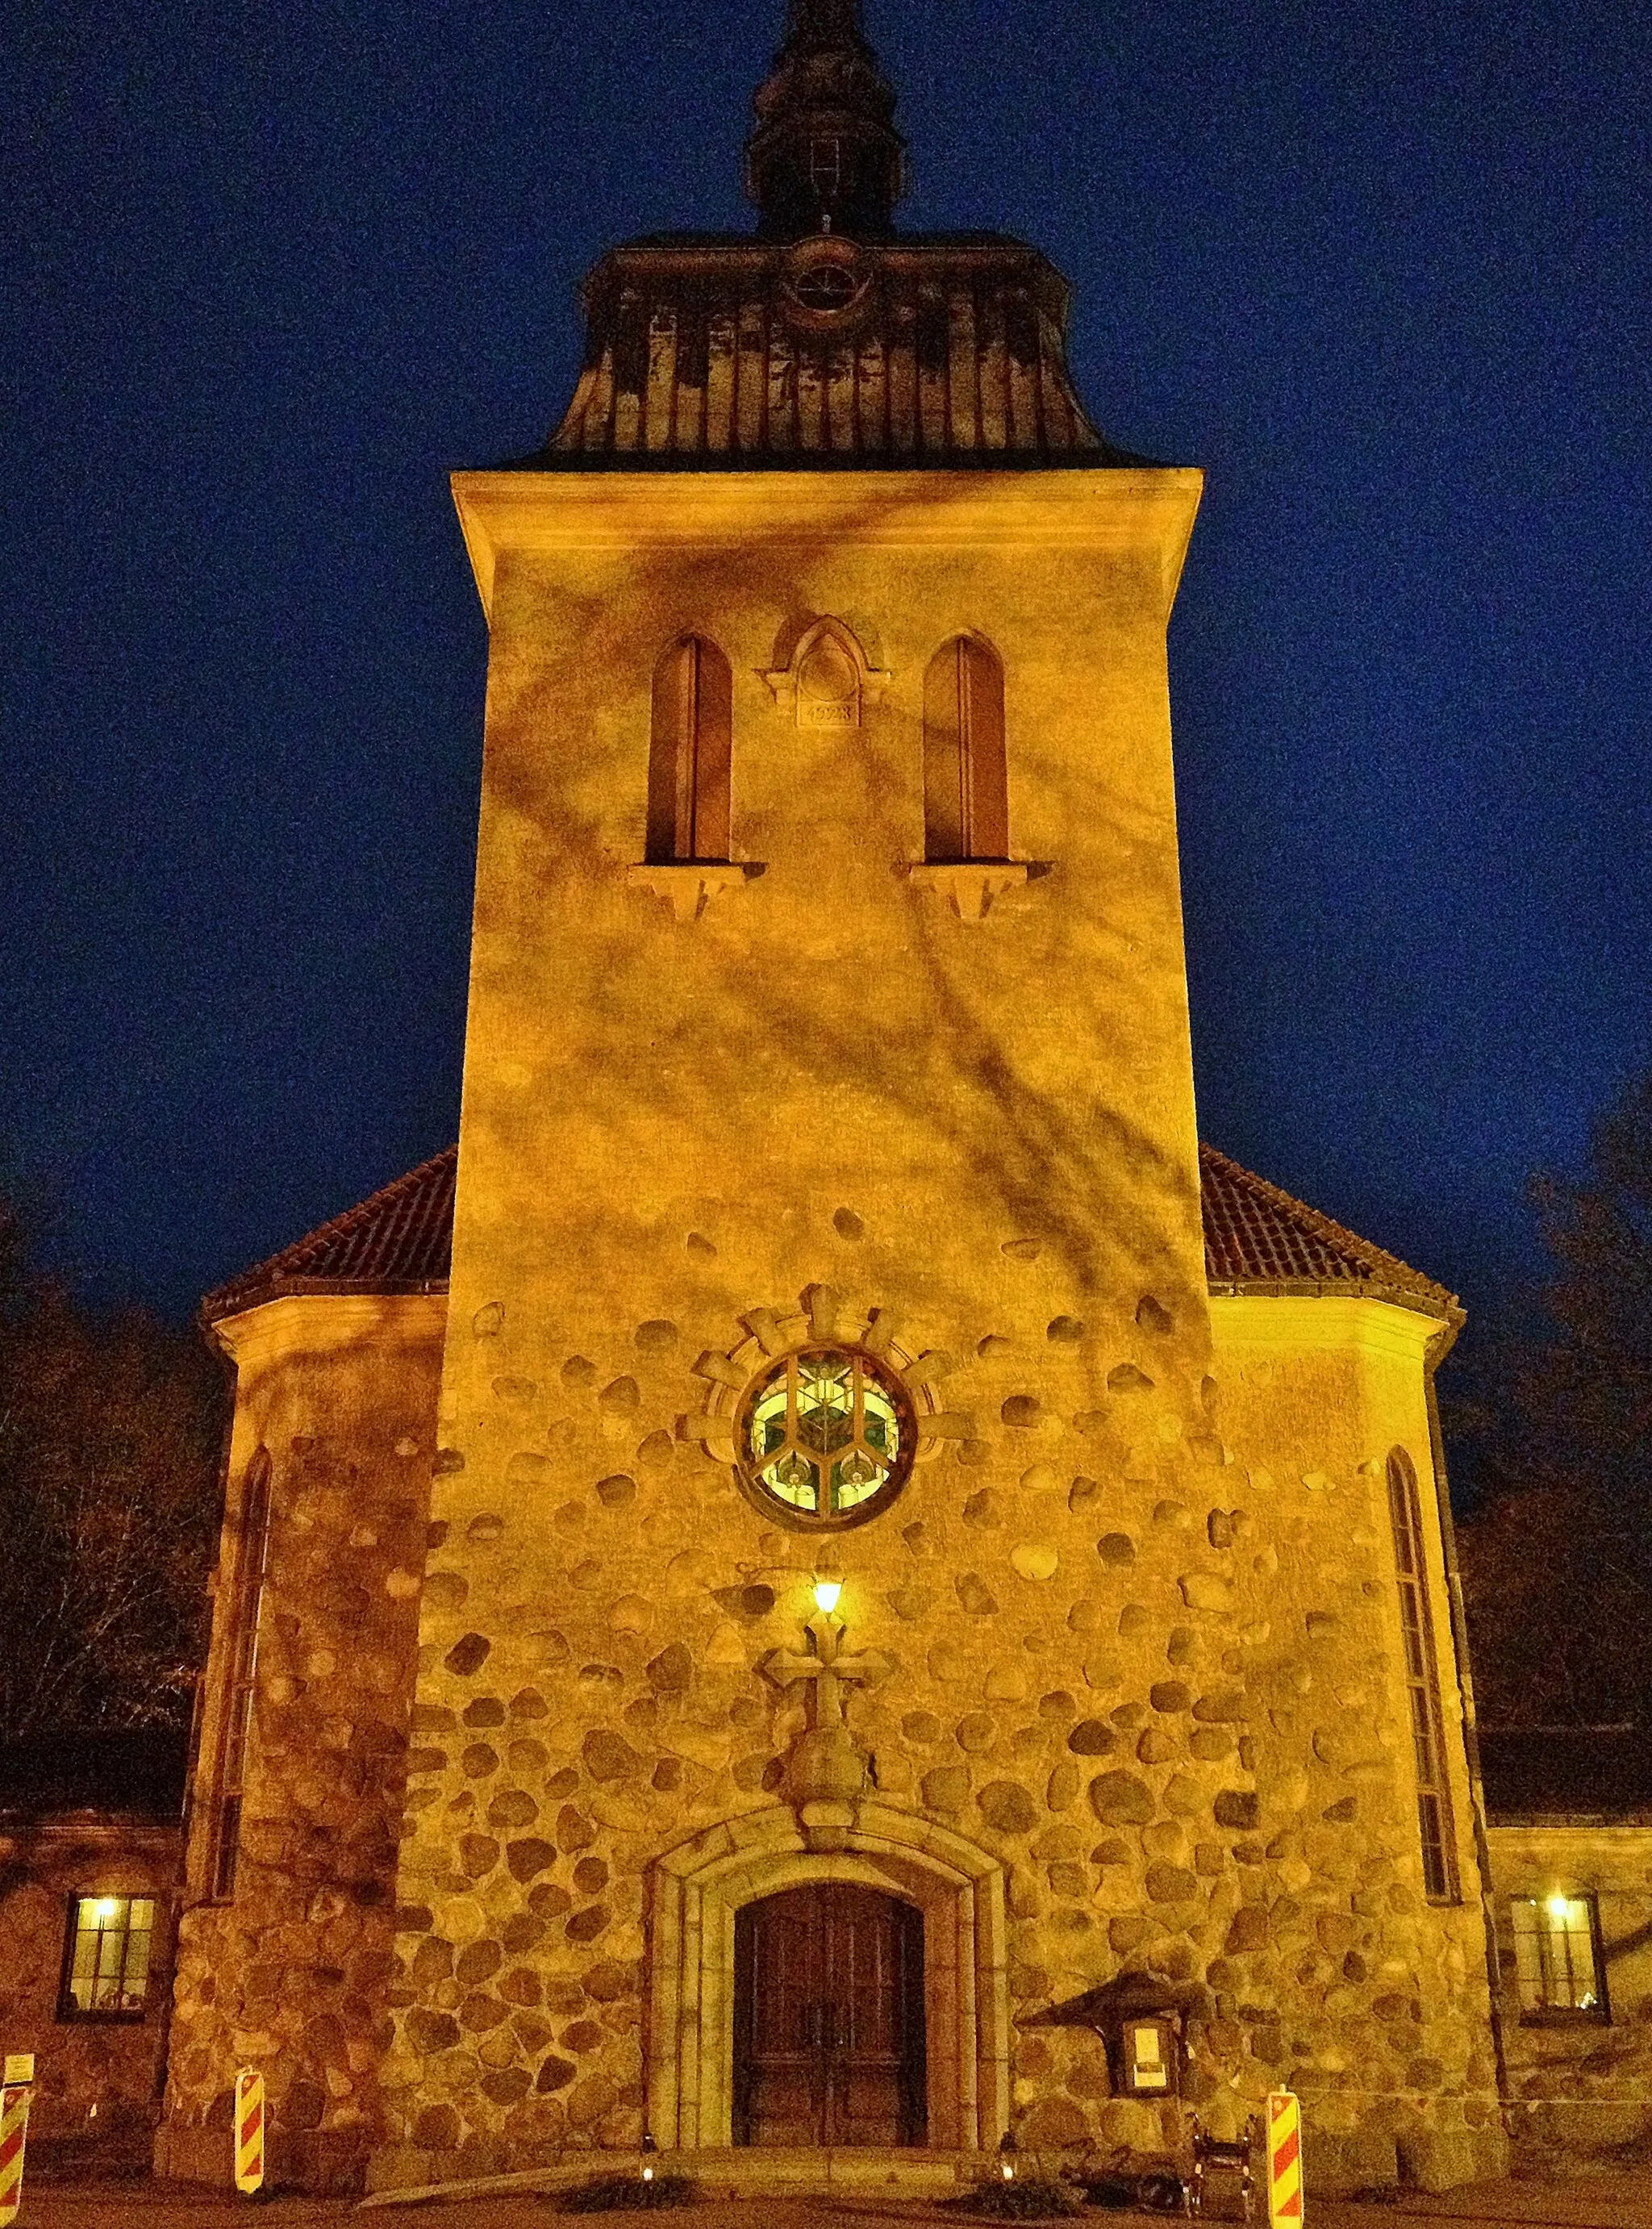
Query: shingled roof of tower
pixel 1257 1239
pixel 829 338
pixel 941 351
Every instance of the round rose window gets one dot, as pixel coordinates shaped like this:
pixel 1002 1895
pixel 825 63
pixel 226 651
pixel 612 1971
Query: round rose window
pixel 827 1436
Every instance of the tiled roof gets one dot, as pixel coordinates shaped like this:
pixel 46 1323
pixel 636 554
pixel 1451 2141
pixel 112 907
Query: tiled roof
pixel 707 352
pixel 1257 1239
pixel 401 1240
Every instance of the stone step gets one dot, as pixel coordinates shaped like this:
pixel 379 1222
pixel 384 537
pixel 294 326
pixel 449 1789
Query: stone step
pixel 908 2171
pixel 740 2172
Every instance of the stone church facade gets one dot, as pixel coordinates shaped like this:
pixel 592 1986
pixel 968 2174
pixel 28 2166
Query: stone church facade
pixel 831 1543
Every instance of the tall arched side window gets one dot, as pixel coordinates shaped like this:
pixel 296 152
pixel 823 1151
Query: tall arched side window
pixel 690 754
pixel 966 781
pixel 241 1672
pixel 1417 1627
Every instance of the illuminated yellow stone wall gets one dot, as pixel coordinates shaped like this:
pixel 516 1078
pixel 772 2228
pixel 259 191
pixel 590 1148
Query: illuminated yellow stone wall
pixel 1137 1599
pixel 339 1395
pixel 1384 1997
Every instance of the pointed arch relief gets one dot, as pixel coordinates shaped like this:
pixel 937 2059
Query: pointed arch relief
pixel 828 681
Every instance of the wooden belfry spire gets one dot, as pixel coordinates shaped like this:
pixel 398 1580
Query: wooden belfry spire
pixel 826 156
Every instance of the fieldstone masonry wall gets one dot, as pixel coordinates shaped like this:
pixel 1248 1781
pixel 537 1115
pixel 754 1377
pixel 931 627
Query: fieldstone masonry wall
pixel 1383 1999
pixel 289 1975
pixel 1066 1695
pixel 1172 1718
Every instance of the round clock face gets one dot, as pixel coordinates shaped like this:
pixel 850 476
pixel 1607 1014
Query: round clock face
pixel 825 1436
pixel 825 282
pixel 826 287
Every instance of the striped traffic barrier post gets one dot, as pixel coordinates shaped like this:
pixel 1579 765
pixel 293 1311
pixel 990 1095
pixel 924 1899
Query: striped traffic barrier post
pixel 249 2130
pixel 14 2127
pixel 1284 2160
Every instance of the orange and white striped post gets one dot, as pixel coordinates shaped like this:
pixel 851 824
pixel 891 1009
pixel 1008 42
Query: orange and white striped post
pixel 249 2130
pixel 1284 2160
pixel 14 2127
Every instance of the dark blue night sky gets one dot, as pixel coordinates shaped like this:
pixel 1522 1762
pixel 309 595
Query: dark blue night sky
pixel 1381 266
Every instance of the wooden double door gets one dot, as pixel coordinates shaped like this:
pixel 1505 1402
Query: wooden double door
pixel 829 2019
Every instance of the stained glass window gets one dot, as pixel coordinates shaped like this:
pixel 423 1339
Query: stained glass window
pixel 826 1434
pixel 826 287
pixel 106 1971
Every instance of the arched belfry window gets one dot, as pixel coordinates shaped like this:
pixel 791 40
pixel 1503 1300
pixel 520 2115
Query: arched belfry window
pixel 689 754
pixel 965 782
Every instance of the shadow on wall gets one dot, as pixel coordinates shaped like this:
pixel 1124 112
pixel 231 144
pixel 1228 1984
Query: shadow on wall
pixel 926 1062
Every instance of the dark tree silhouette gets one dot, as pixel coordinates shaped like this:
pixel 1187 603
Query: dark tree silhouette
pixel 1558 1559
pixel 109 1449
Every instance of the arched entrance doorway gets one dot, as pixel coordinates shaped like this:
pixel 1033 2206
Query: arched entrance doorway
pixel 698 1892
pixel 828 2027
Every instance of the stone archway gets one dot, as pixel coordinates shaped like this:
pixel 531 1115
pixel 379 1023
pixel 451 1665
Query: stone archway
pixel 699 1887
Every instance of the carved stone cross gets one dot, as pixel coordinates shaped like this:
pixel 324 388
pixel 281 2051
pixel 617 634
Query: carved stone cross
pixel 829 1668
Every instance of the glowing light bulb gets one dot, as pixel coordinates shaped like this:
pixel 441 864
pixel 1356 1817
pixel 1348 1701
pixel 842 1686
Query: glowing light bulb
pixel 104 1911
pixel 1557 1907
pixel 826 1592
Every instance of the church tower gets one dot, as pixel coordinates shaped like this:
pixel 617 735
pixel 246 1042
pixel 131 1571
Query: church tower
pixel 827 1147
pixel 922 1564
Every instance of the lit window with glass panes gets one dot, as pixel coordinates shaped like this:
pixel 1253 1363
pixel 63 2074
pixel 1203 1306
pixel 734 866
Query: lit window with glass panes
pixel 1557 1958
pixel 105 1972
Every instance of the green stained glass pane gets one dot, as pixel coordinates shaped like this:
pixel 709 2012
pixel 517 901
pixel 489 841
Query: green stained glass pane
pixel 823 1433
pixel 795 1479
pixel 825 1403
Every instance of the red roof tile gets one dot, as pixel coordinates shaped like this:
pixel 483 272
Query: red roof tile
pixel 401 1240
pixel 1256 1238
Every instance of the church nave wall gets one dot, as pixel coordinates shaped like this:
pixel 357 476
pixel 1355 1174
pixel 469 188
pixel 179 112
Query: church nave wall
pixel 284 1949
